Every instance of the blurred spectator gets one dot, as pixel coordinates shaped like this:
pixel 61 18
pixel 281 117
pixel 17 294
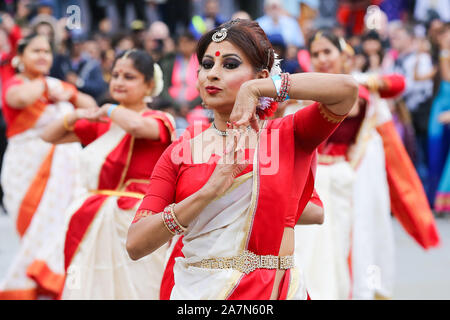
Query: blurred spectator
pixel 138 33
pixel 395 9
pixel 424 8
pixel 439 133
pixel 177 14
pixel 288 55
pixel 209 20
pixel 276 22
pixel 416 65
pixel 139 11
pixel 180 76
pixel 85 72
pixel 97 9
pixel 241 15
pixel 351 14
pixel 158 41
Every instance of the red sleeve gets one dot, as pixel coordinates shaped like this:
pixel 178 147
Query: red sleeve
pixel 314 124
pixel 395 85
pixel 316 199
pixel 8 112
pixel 164 130
pixel 161 189
pixel 88 131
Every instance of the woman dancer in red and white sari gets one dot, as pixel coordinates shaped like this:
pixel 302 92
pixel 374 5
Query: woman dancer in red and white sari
pixel 123 143
pixel 38 179
pixel 236 193
pixel 364 172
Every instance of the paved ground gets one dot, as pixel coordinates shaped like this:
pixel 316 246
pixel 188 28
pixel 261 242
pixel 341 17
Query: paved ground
pixel 419 274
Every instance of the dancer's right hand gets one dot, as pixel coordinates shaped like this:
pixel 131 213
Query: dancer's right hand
pixel 231 164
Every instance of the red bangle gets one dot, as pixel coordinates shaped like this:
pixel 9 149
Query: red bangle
pixel 171 222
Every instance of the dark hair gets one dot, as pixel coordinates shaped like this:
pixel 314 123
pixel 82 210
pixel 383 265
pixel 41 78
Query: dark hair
pixel 25 41
pixel 142 62
pixel 327 34
pixel 374 36
pixel 246 35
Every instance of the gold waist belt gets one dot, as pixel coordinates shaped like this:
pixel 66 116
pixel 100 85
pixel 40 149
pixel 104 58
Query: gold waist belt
pixel 118 193
pixel 247 262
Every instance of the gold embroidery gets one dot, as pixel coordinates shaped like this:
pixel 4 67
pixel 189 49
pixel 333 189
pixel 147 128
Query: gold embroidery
pixel 330 116
pixel 142 214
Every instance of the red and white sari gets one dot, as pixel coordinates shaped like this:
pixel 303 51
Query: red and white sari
pixel 39 182
pixel 116 167
pixel 251 216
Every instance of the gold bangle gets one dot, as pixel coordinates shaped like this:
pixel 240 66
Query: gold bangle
pixel 172 212
pixel 66 124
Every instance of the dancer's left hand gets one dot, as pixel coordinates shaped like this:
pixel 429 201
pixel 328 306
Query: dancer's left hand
pixel 244 110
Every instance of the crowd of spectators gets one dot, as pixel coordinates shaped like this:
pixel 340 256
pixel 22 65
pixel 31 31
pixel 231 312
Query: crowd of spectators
pixel 402 36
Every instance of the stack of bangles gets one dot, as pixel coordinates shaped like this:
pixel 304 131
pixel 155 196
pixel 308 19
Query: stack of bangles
pixel 282 84
pixel 171 221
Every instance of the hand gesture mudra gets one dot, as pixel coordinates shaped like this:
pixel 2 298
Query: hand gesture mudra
pixel 231 164
pixel 244 110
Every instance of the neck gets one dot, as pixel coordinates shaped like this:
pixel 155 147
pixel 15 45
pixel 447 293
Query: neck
pixel 31 75
pixel 138 106
pixel 220 120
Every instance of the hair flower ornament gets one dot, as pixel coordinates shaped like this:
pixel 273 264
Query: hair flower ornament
pixel 267 106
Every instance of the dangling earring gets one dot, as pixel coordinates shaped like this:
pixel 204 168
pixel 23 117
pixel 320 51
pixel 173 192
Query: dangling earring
pixel 148 98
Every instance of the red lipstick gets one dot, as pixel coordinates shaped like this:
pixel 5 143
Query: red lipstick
pixel 212 89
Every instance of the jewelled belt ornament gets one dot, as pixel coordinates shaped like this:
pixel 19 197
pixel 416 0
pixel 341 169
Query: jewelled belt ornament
pixel 247 262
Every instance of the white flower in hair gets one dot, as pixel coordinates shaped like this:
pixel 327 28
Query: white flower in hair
pixel 159 81
pixel 266 102
pixel 276 67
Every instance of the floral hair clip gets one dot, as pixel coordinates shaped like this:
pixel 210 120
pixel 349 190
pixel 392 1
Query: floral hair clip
pixel 267 106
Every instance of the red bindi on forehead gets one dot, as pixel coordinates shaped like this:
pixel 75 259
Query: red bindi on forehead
pixel 217 53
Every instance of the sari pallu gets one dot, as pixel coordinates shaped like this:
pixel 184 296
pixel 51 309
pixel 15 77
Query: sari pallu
pixel 39 182
pixel 115 177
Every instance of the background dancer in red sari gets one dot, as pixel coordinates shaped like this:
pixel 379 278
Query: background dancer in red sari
pixel 222 186
pixel 123 144
pixel 38 179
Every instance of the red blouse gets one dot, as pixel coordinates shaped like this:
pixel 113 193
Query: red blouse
pixel 172 180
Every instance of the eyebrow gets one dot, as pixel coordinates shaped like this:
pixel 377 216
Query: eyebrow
pixel 225 56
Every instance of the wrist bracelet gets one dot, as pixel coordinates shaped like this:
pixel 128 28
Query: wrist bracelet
pixel 171 221
pixel 277 82
pixel 66 124
pixel 282 85
pixel 111 109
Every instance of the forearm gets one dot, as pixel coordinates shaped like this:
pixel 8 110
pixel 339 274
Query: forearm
pixel 337 91
pixel 312 214
pixel 135 124
pixel 150 233
pixel 34 89
pixel 84 101
pixel 57 132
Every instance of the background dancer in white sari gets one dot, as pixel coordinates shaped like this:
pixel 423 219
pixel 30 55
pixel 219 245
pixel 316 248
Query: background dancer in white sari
pixel 123 143
pixel 38 179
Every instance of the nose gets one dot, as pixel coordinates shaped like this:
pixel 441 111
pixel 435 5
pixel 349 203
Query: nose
pixel 322 57
pixel 214 72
